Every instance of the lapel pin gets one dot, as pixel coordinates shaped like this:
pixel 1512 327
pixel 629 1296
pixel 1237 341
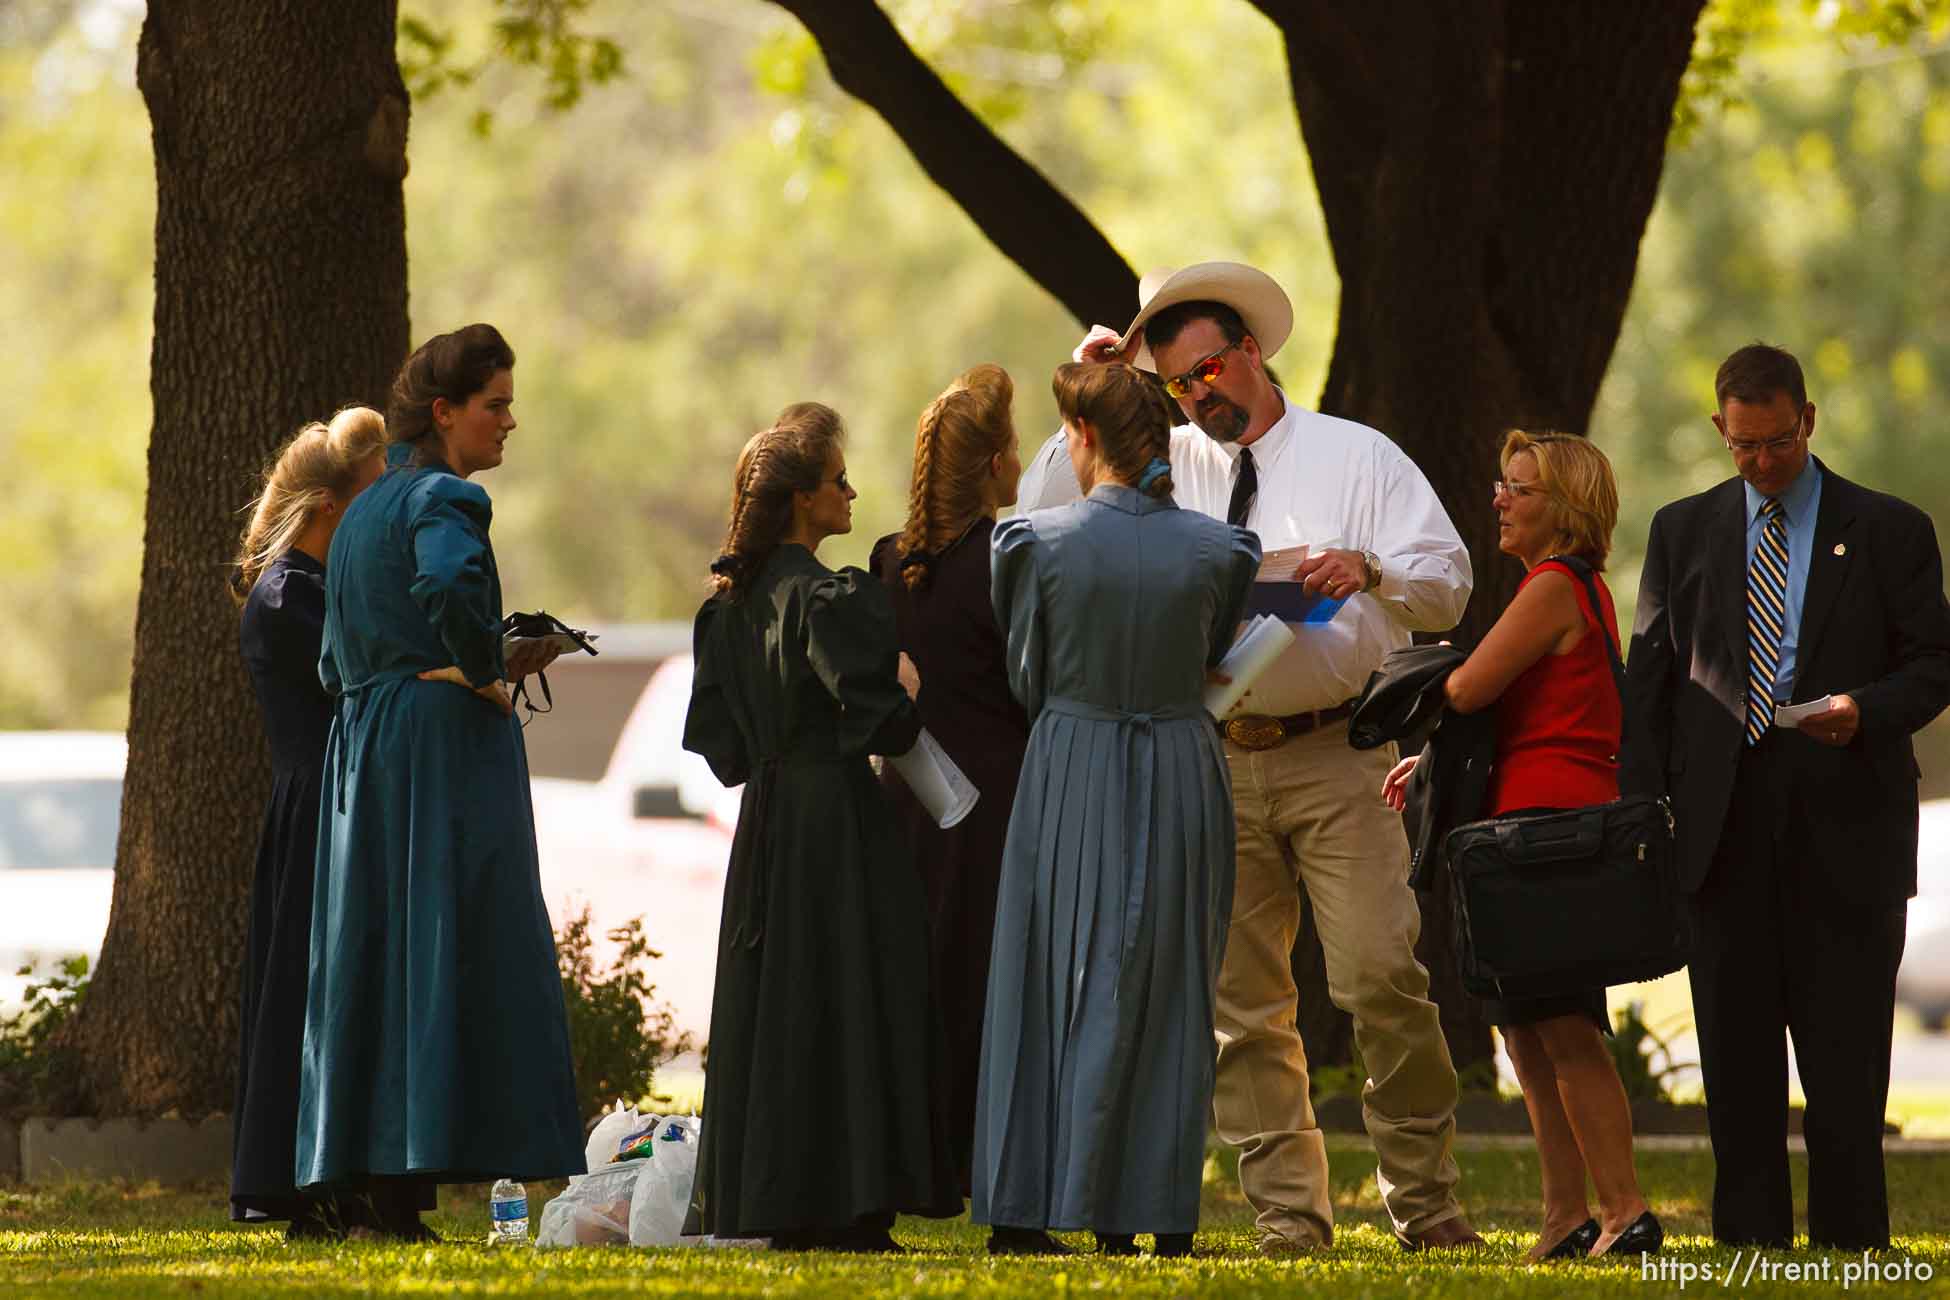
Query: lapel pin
pixel 1841 548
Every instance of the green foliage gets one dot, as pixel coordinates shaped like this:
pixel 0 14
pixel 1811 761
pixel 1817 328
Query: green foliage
pixel 543 36
pixel 1727 28
pixel 618 1034
pixel 1643 1059
pixel 36 1067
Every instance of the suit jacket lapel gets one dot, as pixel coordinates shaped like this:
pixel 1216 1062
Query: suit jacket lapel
pixel 1827 565
pixel 1726 566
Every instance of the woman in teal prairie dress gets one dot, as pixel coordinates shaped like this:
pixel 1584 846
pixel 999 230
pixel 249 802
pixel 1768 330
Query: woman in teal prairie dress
pixel 821 1116
pixel 1098 1053
pixel 436 1046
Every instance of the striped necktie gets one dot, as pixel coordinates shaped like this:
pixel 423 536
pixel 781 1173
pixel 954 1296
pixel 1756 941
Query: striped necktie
pixel 1766 617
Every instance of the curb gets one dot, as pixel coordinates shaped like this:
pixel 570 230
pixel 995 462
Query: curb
pixel 167 1151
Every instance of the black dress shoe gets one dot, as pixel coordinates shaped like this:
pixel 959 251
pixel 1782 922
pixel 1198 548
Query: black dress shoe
pixel 1577 1243
pixel 1024 1241
pixel 1117 1243
pixel 1644 1237
pixel 1173 1245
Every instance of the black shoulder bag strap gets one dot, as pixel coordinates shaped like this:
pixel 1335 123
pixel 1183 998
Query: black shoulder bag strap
pixel 1582 568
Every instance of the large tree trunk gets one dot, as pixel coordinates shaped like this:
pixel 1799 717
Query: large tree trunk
pixel 1486 172
pixel 280 139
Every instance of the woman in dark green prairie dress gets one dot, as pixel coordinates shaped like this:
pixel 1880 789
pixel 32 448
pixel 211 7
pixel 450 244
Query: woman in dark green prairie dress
pixel 436 1045
pixel 820 1121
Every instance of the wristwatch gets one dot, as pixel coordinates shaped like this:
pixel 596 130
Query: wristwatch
pixel 1371 569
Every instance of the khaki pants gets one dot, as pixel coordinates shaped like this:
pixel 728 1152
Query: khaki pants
pixel 1310 813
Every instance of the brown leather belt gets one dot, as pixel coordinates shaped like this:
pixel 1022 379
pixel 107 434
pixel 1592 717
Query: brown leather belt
pixel 1263 731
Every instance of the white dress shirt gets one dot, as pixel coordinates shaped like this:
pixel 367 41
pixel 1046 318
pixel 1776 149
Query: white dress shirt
pixel 1327 483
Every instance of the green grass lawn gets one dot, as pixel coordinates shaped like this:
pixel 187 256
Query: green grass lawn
pixel 92 1239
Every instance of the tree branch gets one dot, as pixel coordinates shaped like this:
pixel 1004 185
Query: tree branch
pixel 1021 212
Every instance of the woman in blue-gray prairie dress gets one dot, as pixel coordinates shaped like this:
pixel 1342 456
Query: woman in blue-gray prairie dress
pixel 1098 1055
pixel 436 1044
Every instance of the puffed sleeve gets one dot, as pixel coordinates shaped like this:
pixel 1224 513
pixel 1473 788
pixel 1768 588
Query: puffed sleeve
pixel 1235 587
pixel 1018 600
pixel 710 729
pixel 854 650
pixel 453 572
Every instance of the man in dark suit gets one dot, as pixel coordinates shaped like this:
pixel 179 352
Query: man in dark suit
pixel 1796 843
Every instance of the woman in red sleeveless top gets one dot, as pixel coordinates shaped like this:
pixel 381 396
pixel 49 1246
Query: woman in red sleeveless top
pixel 1546 670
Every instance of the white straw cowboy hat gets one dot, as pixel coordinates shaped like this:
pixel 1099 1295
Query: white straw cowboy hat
pixel 1260 302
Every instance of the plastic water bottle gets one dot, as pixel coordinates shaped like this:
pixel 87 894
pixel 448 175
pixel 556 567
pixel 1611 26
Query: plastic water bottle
pixel 508 1207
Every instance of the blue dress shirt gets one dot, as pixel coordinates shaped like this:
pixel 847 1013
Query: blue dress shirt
pixel 1799 505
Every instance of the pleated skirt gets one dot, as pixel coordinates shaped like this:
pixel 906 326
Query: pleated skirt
pixel 1098 1052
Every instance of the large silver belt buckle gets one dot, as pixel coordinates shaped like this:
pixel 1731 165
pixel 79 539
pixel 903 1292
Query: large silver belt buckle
pixel 1255 731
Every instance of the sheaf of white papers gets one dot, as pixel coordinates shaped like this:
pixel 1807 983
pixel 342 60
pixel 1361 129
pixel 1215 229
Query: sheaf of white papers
pixel 1252 653
pixel 935 780
pixel 1790 715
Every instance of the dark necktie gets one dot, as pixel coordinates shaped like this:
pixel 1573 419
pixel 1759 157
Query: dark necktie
pixel 1767 576
pixel 1244 489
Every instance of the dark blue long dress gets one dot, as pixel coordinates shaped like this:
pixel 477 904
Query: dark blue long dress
pixel 436 1043
pixel 284 617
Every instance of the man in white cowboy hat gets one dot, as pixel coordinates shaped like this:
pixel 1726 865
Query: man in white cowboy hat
pixel 1308 808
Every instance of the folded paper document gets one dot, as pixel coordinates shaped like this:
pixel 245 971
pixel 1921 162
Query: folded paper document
pixel 935 780
pixel 1252 654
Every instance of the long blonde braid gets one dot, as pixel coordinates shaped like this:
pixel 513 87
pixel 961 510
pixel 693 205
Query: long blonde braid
pixel 957 436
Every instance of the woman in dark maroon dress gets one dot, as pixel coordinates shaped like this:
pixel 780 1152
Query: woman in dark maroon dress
pixel 937 569
pixel 1546 670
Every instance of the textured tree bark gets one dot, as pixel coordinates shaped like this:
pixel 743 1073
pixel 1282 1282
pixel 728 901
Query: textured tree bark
pixel 280 145
pixel 1033 223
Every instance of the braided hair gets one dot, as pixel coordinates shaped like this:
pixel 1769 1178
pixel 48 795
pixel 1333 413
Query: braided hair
pixel 961 431
pixel 1130 414
pixel 789 457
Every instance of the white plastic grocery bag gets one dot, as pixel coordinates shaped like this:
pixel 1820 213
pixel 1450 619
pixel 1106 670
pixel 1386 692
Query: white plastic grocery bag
pixel 594 1210
pixel 663 1186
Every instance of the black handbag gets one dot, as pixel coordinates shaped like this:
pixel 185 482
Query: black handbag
pixel 1550 902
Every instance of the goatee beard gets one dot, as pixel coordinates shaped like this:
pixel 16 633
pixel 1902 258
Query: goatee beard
pixel 1221 420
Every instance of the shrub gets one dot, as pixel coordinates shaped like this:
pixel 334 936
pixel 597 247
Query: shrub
pixel 36 1069
pixel 1633 1045
pixel 618 1034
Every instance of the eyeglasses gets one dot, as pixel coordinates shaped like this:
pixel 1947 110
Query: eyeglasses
pixel 1774 446
pixel 1516 490
pixel 1204 372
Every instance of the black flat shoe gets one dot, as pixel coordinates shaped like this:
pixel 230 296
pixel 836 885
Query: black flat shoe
pixel 1644 1237
pixel 1117 1243
pixel 1173 1245
pixel 1577 1243
pixel 1025 1241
